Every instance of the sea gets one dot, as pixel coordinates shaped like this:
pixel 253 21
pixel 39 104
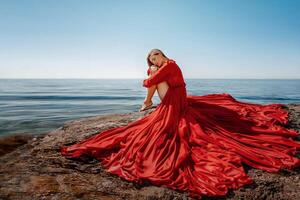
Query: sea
pixel 37 106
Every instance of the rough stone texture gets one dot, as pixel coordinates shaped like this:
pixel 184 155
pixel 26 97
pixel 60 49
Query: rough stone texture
pixel 32 168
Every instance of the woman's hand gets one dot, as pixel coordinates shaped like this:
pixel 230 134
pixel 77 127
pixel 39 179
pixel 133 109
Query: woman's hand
pixel 153 69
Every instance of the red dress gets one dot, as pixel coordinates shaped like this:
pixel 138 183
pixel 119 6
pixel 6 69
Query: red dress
pixel 195 144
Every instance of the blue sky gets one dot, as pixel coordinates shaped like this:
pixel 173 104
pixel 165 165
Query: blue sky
pixel 110 39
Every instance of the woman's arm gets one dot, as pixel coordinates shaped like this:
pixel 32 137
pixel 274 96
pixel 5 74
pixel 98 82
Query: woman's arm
pixel 159 76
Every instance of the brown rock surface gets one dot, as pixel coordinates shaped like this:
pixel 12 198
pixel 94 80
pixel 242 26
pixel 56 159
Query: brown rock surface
pixel 36 170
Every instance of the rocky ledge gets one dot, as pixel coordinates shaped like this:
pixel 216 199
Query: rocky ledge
pixel 32 168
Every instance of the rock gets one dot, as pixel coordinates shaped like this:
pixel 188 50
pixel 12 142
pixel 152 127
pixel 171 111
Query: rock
pixel 32 168
pixel 11 142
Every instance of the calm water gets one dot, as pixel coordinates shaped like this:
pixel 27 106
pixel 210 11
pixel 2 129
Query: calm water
pixel 40 105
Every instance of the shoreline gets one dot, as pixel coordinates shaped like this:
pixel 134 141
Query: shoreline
pixel 32 167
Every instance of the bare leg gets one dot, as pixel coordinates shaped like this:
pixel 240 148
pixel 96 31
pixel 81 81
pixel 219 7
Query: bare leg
pixel 150 92
pixel 161 87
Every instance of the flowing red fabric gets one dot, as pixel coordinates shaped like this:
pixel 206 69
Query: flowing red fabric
pixel 195 144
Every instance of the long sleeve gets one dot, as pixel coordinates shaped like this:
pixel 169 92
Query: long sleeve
pixel 159 76
pixel 148 71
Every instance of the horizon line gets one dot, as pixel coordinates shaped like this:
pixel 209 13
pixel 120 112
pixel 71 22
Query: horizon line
pixel 142 78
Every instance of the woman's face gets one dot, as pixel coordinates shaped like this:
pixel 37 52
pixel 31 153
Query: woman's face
pixel 157 58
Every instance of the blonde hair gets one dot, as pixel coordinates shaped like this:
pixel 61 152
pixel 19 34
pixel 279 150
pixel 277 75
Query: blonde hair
pixel 149 54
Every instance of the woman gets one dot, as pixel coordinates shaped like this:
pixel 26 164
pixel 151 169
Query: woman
pixel 155 59
pixel 195 144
